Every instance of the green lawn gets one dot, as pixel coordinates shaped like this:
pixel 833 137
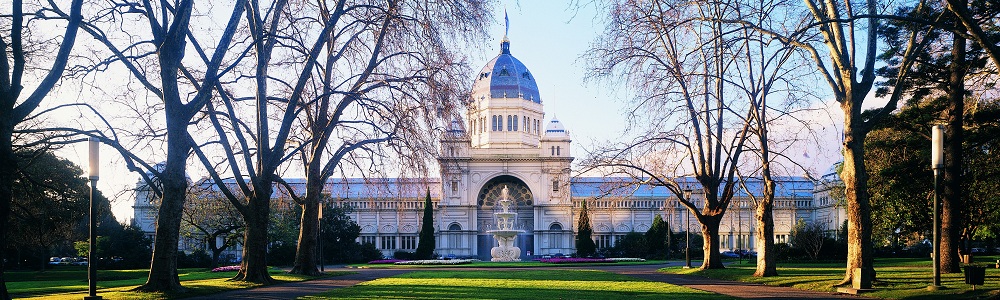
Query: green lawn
pixel 898 278
pixel 521 284
pixel 71 283
pixel 517 264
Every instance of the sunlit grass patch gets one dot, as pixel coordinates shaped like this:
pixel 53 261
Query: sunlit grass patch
pixel 521 284
pixel 516 264
pixel 116 284
pixel 898 278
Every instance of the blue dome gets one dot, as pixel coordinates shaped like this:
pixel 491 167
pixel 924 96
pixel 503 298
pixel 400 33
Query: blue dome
pixel 506 77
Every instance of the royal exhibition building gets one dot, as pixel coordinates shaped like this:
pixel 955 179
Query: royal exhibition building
pixel 506 140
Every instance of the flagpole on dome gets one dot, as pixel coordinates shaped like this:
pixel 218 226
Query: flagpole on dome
pixel 506 22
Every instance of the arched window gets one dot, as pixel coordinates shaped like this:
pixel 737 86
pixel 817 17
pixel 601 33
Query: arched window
pixel 555 227
pixel 493 123
pixel 558 150
pixel 499 122
pixel 515 123
pixel 454 227
pixel 510 124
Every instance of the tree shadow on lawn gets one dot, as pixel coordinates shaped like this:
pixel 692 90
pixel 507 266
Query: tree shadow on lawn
pixel 466 292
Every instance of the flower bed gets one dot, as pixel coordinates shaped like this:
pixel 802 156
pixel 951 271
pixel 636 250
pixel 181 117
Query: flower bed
pixel 626 259
pixel 226 269
pixel 385 261
pixel 436 262
pixel 570 260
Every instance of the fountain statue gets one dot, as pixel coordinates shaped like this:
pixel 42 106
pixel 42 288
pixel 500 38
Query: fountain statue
pixel 505 233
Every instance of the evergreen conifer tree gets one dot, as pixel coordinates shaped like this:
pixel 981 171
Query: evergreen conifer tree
pixel 658 237
pixel 425 246
pixel 584 243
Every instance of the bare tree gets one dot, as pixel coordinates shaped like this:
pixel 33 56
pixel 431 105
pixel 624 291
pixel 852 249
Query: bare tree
pixel 386 107
pixel 675 56
pixel 15 103
pixel 180 90
pixel 841 28
pixel 209 216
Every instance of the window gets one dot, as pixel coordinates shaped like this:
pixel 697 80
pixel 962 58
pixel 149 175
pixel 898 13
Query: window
pixel 368 239
pixel 454 186
pixel 510 124
pixel 408 242
pixel 499 123
pixel 515 123
pixel 553 149
pixel 454 227
pixel 388 242
pixel 493 124
pixel 451 151
pixel 603 241
pixel 558 150
pixel 555 185
pixel 524 120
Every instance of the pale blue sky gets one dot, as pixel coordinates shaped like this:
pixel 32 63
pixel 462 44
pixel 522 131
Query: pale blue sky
pixel 549 37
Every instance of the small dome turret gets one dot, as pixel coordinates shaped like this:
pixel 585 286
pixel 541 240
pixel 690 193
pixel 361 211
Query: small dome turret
pixel 555 129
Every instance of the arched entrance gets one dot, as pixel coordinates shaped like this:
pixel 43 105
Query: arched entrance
pixel 486 202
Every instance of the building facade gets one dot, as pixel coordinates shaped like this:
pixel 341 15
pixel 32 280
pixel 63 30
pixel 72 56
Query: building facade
pixel 504 141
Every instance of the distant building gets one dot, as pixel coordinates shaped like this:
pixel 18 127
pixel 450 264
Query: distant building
pixel 504 141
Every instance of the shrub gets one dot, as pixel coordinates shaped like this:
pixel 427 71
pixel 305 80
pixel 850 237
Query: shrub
pixel 404 255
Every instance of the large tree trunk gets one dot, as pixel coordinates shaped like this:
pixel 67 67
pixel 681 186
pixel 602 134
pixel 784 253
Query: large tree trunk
pixel 951 206
pixel 163 268
pixel 764 233
pixel 305 252
pixel 859 221
pixel 257 216
pixel 710 242
pixel 8 167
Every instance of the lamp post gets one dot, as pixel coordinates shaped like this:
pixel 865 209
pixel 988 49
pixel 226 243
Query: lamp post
pixel 687 233
pixel 937 163
pixel 319 238
pixel 94 174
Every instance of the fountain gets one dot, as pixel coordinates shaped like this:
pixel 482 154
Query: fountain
pixel 505 234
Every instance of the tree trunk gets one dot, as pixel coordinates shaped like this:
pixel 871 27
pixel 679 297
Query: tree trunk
pixel 710 242
pixel 8 167
pixel 305 251
pixel 163 268
pixel 855 177
pixel 951 200
pixel 764 233
pixel 254 266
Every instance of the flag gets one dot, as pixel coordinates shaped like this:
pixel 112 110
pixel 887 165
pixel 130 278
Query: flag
pixel 506 23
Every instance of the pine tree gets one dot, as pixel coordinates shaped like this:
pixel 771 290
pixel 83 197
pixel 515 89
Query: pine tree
pixel 584 243
pixel 425 246
pixel 657 237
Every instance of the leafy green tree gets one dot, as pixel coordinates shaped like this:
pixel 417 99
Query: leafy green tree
pixel 584 242
pixel 941 80
pixel 50 207
pixel 632 244
pixel 658 238
pixel 339 234
pixel 425 246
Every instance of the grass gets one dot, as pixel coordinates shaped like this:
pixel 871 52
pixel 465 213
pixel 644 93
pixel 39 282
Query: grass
pixel 898 278
pixel 517 264
pixel 520 284
pixel 71 283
